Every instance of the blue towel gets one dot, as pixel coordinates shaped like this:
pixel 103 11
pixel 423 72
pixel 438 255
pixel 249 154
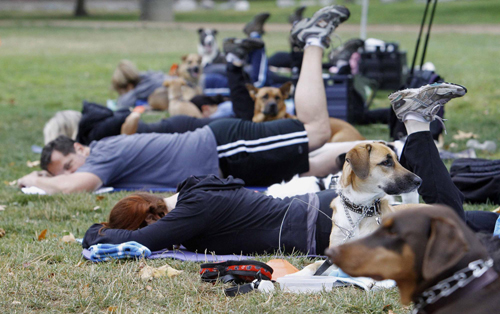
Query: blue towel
pixel 105 252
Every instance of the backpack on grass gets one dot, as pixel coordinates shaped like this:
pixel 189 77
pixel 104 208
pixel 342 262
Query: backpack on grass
pixel 478 179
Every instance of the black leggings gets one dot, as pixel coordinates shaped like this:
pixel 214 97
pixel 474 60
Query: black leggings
pixel 421 156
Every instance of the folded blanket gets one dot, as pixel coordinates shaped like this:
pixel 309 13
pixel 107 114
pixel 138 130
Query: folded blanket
pixel 105 252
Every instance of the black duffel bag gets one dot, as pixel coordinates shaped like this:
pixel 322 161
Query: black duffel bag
pixel 478 179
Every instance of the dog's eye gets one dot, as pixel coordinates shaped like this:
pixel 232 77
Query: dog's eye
pixel 265 96
pixel 386 163
pixel 277 98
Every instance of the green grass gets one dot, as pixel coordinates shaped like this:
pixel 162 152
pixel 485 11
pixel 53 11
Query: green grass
pixel 46 69
pixel 401 12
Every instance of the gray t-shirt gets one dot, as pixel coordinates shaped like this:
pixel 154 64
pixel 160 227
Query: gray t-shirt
pixel 149 81
pixel 152 160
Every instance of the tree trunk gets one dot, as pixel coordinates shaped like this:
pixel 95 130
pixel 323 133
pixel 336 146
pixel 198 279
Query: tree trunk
pixel 157 10
pixel 80 8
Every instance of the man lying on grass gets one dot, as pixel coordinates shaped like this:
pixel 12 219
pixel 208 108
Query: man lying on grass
pixel 258 153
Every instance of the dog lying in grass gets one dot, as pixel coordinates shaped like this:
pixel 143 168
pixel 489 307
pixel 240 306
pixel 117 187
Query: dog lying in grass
pixel 177 103
pixel 270 105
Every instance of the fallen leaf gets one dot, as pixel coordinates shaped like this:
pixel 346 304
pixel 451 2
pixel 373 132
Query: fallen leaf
pixel 3 207
pixel 390 312
pixel 80 263
pixel 497 210
pixel 32 164
pixel 12 164
pixel 461 135
pixel 16 302
pixel 12 101
pixel 70 238
pixel 97 207
pixel 12 183
pixel 148 272
pixel 112 309
pixel 2 233
pixel 453 145
pixel 149 288
pixel 100 197
pixel 42 235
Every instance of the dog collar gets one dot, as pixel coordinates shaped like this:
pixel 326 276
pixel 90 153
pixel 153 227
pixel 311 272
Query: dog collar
pixel 368 211
pixel 440 294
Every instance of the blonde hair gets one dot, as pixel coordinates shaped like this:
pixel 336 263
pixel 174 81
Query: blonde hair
pixel 62 123
pixel 125 73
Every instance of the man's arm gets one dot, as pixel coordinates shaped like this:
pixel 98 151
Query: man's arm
pixel 66 183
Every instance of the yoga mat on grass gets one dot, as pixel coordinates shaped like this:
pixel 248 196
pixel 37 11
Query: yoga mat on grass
pixel 185 255
pixel 109 189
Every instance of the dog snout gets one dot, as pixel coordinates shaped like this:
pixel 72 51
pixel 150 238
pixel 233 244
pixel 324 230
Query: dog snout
pixel 333 253
pixel 196 69
pixel 417 181
pixel 271 109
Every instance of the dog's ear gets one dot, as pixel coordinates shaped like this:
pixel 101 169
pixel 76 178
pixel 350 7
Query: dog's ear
pixel 359 160
pixel 166 83
pixel 252 90
pixel 184 57
pixel 285 89
pixel 446 246
pixel 200 30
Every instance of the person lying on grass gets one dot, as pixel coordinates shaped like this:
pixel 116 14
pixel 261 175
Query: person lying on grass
pixel 259 153
pixel 219 215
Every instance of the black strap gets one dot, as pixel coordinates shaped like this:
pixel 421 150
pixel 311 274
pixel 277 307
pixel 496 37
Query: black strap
pixel 326 264
pixel 241 289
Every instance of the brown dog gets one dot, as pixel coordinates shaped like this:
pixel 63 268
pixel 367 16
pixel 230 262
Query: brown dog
pixel 427 250
pixel 371 172
pixel 177 103
pixel 190 70
pixel 270 106
pixel 270 102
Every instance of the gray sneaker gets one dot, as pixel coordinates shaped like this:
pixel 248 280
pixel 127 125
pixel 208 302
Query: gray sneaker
pixel 320 25
pixel 424 101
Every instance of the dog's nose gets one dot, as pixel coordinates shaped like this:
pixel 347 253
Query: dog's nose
pixel 196 69
pixel 417 181
pixel 332 253
pixel 271 109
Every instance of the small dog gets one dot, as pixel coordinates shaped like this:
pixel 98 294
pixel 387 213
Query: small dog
pixel 435 259
pixel 177 104
pixel 270 102
pixel 270 106
pixel 208 48
pixel 190 70
pixel 371 172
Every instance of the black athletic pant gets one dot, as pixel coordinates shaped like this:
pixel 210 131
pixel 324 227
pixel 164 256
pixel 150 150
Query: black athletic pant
pixel 243 104
pixel 420 155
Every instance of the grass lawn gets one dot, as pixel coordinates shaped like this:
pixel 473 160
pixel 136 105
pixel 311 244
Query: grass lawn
pixel 46 69
pixel 401 12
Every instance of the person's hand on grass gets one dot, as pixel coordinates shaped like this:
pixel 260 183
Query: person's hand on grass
pixel 30 179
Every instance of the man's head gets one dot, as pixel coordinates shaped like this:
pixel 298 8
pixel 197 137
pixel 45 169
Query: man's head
pixel 63 156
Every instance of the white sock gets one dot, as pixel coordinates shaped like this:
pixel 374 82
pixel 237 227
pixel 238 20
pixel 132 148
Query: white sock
pixel 314 41
pixel 232 58
pixel 413 116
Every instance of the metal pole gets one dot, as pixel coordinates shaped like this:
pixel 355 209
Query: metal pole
pixel 428 33
pixel 418 39
pixel 364 19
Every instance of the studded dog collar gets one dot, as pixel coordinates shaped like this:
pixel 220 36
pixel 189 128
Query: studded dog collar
pixel 368 211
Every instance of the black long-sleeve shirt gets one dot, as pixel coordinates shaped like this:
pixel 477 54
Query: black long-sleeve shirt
pixel 219 215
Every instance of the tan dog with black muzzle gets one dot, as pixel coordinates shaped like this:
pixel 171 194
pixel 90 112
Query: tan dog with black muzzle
pixel 270 102
pixel 371 172
pixel 270 105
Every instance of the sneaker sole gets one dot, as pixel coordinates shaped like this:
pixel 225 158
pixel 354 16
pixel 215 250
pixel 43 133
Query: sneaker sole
pixel 450 90
pixel 300 32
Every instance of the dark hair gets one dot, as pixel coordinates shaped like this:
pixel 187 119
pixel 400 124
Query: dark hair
pixel 62 144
